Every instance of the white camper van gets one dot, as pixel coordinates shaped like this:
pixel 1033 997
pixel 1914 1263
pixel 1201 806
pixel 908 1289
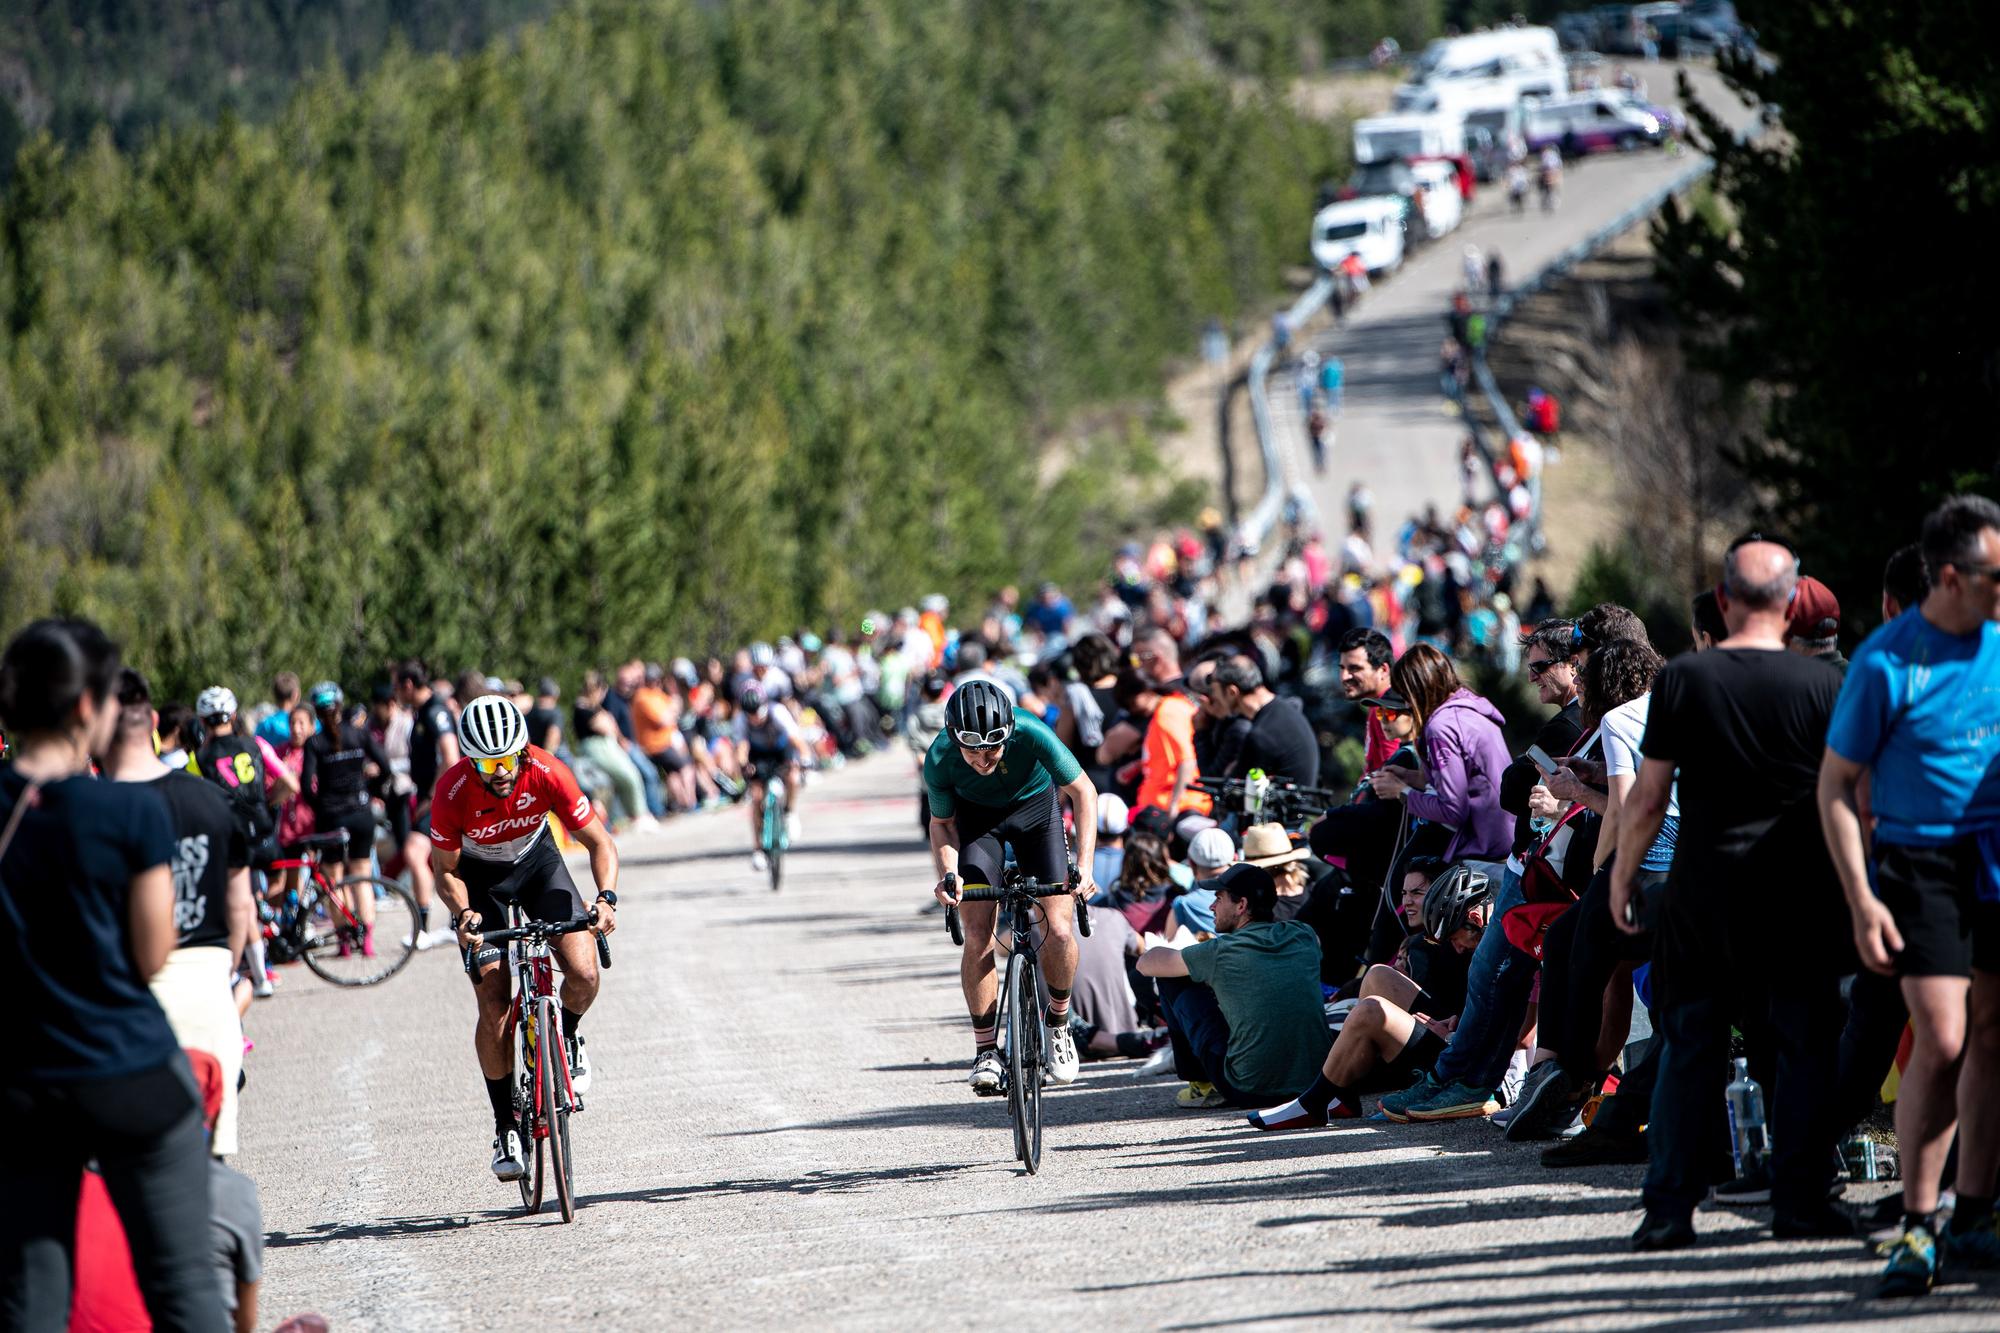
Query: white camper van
pixel 1370 228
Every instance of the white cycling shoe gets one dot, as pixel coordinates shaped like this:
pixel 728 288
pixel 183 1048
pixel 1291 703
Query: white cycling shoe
pixel 759 862
pixel 579 1066
pixel 986 1073
pixel 1063 1060
pixel 507 1163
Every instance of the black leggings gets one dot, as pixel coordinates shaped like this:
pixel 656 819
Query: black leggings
pixel 1034 829
pixel 144 1130
pixel 1581 953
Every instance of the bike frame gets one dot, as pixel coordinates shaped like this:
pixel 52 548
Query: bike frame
pixel 533 964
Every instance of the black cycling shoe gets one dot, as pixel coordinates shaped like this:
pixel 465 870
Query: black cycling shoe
pixel 1659 1231
pixel 1598 1147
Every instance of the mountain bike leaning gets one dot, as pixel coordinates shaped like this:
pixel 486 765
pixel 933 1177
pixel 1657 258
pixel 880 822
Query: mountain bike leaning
pixel 494 857
pixel 993 779
pixel 1028 1046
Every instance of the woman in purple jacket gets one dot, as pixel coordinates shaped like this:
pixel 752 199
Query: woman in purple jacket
pixel 1464 754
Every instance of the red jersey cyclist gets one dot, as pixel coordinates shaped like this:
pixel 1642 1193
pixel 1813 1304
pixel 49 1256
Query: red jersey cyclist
pixel 490 842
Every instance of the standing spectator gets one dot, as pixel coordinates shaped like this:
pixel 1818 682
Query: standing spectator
pixel 1050 612
pixel 213 912
pixel 1813 629
pixel 1365 658
pixel 1494 274
pixel 1920 717
pixel 1744 724
pixel 1167 765
pixel 1089 704
pixel 276 728
pixel 1709 627
pixel 87 888
pixel 1243 1009
pixel 1113 821
pixel 433 749
pixel 1550 650
pixel 1905 582
pixel 1332 381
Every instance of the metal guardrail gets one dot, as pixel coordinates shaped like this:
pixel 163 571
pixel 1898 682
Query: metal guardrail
pixel 1257 527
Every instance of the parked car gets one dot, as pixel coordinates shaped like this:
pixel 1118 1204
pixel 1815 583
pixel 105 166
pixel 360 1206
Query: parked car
pixel 1591 121
pixel 1373 229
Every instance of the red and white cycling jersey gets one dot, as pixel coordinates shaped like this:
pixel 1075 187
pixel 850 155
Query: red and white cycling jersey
pixel 465 817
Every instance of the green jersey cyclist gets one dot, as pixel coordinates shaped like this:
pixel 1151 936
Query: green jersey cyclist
pixel 991 778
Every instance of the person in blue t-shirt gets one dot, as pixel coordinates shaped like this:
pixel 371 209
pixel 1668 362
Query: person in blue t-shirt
pixel 1919 716
pixel 87 902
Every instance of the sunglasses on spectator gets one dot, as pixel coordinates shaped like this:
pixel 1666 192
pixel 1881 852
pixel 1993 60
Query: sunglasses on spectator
pixel 501 763
pixel 1536 670
pixel 1979 571
pixel 986 740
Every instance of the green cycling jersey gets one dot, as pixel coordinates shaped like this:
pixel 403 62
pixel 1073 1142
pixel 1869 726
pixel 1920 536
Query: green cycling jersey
pixel 1030 761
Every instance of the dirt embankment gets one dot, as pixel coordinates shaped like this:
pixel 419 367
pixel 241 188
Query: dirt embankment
pixel 1639 474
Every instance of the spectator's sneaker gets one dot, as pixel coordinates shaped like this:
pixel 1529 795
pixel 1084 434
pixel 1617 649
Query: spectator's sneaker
pixel 1547 1104
pixel 1063 1062
pixel 1748 1191
pixel 1596 1147
pixel 1159 1064
pixel 1825 1222
pixel 264 989
pixel 760 862
pixel 1977 1248
pixel 986 1073
pixel 1912 1266
pixel 1504 1117
pixel 579 1066
pixel 1459 1101
pixel 1396 1105
pixel 507 1163
pixel 1658 1231
pixel 1199 1097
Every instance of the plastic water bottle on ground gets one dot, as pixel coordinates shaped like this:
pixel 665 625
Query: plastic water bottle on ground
pixel 1749 1135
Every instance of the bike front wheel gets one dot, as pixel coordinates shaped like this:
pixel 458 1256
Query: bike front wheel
pixel 555 1106
pixel 1024 1059
pixel 336 944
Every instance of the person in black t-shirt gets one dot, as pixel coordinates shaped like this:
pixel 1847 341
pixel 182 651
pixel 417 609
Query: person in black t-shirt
pixel 1751 927
pixel 87 892
pixel 343 763
pixel 433 749
pixel 213 912
pixel 1281 742
pixel 1219 732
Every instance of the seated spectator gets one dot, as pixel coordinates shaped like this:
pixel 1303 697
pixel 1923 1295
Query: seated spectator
pixel 1113 820
pixel 1463 753
pixel 1219 732
pixel 1212 852
pixel 1550 655
pixel 1104 1012
pixel 1244 1009
pixel 1145 878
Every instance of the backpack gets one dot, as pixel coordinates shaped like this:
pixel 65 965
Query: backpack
pixel 234 764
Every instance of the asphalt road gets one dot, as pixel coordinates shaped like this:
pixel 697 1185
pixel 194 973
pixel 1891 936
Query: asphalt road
pixel 1397 433
pixel 780 1136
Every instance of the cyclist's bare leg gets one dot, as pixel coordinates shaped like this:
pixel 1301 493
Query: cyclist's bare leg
pixel 493 990
pixel 976 973
pixel 579 968
pixel 360 898
pixel 1058 942
pixel 792 784
pixel 417 856
pixel 753 802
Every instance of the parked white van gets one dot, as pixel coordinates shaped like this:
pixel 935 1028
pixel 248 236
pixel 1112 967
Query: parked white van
pixel 1590 121
pixel 1411 138
pixel 1529 60
pixel 1437 202
pixel 1372 228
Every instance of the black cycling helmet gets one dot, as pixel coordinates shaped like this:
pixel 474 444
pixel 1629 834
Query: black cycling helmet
pixel 1451 898
pixel 751 699
pixel 979 714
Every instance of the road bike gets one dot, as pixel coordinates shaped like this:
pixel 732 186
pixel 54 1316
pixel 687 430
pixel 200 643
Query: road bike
pixel 772 835
pixel 1021 999
pixel 319 923
pixel 545 1098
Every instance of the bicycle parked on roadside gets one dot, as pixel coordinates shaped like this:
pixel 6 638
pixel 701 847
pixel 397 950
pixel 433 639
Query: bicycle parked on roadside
pixel 546 1096
pixel 1020 997
pixel 324 923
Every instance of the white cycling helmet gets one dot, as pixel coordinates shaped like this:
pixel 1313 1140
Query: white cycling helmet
pixel 492 726
pixel 217 701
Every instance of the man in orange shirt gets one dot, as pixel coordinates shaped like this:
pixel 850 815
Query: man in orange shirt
pixel 1167 765
pixel 656 728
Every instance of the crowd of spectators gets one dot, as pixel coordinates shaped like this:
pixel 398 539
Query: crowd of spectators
pixel 1468 927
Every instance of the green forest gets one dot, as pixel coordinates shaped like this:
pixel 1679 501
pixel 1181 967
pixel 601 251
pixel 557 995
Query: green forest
pixel 647 327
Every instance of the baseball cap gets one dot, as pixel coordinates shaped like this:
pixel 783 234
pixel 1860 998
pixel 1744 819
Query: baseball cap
pixel 1113 816
pixel 1815 611
pixel 1211 849
pixel 1389 702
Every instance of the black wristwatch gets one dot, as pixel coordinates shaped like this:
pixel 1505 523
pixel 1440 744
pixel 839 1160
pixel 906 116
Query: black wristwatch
pixel 458 921
pixel 607 896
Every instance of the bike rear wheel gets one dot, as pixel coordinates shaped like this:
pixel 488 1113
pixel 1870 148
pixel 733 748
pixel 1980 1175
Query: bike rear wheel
pixel 555 1103
pixel 334 943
